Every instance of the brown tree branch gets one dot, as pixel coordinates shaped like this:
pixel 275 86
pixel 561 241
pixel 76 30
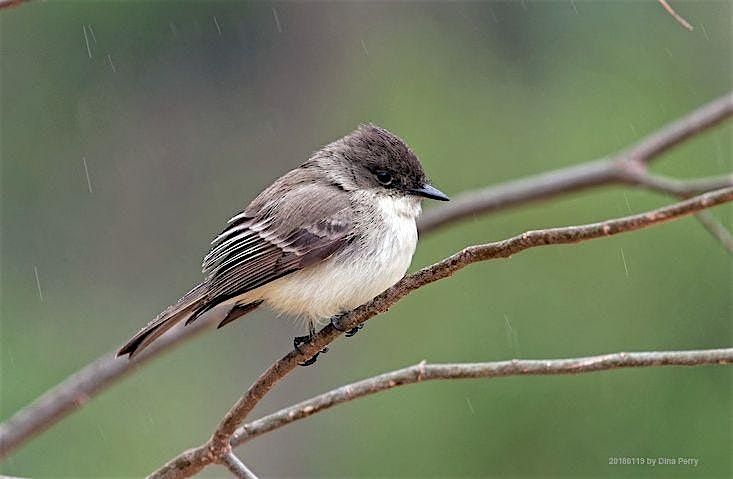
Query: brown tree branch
pixel 685 189
pixel 192 461
pixel 675 15
pixel 77 389
pixel 716 229
pixel 471 204
pixel 679 188
pixel 11 3
pixel 426 372
pixel 237 467
pixel 623 168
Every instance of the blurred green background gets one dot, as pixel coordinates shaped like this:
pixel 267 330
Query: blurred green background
pixel 184 111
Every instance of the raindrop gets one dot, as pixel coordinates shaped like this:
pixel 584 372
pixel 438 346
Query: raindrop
pixel 86 40
pixel 628 205
pixel 38 282
pixel 277 20
pixel 91 30
pixel 86 169
pixel 705 32
pixel 623 258
pixel 511 335
pixel 109 59
pixel 216 22
pixel 470 406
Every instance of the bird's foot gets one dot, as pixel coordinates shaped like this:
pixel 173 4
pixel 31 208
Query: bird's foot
pixel 310 361
pixel 347 332
pixel 298 340
pixel 353 331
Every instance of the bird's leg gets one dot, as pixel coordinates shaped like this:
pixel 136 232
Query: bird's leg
pixel 298 340
pixel 347 332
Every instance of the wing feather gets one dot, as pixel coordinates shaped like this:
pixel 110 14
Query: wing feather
pixel 270 239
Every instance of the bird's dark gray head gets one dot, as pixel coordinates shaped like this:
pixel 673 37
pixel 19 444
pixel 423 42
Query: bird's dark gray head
pixel 371 157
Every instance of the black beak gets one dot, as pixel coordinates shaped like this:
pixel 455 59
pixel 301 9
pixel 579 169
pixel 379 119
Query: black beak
pixel 429 191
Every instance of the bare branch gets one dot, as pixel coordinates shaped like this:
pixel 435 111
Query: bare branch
pixel 716 229
pixel 678 131
pixel 11 3
pixel 79 388
pixel 76 390
pixel 218 445
pixel 679 188
pixel 622 168
pixel 237 467
pixel 685 189
pixel 519 192
pixel 427 372
pixel 675 15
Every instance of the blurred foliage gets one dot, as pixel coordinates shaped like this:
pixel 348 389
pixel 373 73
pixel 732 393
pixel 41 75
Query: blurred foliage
pixel 181 123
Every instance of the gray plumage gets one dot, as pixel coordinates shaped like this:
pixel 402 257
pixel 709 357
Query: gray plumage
pixel 335 231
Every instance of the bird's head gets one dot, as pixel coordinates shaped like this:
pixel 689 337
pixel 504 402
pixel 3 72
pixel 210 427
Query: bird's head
pixel 373 158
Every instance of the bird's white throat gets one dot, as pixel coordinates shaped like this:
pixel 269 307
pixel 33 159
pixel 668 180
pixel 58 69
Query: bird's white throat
pixel 395 209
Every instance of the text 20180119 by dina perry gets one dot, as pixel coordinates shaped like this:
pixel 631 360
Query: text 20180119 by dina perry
pixel 653 461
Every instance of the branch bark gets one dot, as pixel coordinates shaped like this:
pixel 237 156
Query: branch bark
pixel 627 167
pixel 218 445
pixel 427 372
pixel 678 18
pixel 237 467
pixel 716 229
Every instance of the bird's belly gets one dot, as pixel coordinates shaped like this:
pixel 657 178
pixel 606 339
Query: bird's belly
pixel 330 288
pixel 348 279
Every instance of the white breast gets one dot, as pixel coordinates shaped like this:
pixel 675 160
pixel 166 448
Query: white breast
pixel 342 283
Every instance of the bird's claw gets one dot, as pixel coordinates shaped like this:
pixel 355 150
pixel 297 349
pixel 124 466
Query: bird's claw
pixel 347 332
pixel 298 340
pixel 353 331
pixel 309 361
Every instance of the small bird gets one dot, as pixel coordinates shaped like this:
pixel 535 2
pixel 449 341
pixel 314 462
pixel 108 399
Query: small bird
pixel 324 238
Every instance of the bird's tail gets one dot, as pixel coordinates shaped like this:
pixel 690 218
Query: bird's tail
pixel 185 308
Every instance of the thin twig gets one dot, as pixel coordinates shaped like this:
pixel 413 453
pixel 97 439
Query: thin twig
pixel 675 15
pixel 716 229
pixel 218 445
pixel 621 168
pixel 685 189
pixel 237 467
pixel 74 391
pixel 513 193
pixel 678 188
pixel 427 372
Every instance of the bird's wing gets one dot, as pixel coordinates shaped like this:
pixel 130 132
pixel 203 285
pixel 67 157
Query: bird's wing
pixel 288 227
pixel 292 229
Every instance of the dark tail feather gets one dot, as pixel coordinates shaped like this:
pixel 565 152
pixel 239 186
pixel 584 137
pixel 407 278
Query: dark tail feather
pixel 238 311
pixel 185 306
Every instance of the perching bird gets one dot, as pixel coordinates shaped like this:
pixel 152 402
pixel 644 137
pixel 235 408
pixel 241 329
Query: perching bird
pixel 324 238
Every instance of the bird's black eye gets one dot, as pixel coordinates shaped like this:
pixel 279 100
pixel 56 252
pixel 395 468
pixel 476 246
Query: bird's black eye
pixel 384 177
